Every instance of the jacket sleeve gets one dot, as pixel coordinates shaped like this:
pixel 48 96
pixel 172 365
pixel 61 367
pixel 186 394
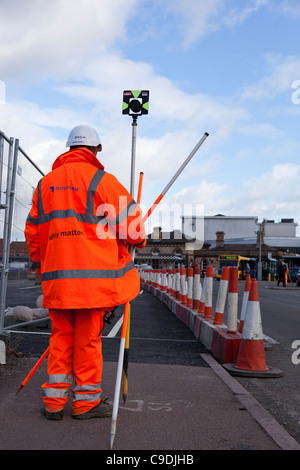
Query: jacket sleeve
pixel 122 213
pixel 31 231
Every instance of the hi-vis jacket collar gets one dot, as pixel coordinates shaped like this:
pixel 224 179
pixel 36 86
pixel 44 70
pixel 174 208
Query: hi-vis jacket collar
pixel 79 155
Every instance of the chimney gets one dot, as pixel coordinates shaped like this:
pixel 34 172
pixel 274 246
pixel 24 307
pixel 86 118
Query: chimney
pixel 220 238
pixel 156 235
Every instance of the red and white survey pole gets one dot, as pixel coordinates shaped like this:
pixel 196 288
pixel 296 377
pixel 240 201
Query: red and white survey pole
pixel 172 180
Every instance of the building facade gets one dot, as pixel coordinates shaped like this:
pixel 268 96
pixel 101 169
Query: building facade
pixel 175 249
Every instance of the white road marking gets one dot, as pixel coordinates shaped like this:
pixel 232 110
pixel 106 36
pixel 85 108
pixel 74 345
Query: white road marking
pixel 115 329
pixel 31 287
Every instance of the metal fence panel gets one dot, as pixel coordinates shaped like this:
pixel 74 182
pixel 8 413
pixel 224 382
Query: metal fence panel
pixel 19 176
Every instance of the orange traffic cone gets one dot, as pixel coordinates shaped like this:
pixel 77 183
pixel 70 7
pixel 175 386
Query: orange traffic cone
pixel 251 360
pixel 164 282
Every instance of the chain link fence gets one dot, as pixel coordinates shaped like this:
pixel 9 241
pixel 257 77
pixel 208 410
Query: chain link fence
pixel 19 176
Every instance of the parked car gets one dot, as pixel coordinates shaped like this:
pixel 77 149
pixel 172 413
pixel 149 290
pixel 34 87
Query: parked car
pixel 293 273
pixel 298 279
pixel 144 266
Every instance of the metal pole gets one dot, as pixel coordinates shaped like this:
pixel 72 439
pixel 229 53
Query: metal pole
pixel 259 267
pixel 126 310
pixel 12 193
pixel 133 147
pixel 126 350
pixel 6 234
pixel 123 351
pixel 132 181
pixel 1 165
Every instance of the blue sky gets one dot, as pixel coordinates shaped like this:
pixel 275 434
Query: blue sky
pixel 226 67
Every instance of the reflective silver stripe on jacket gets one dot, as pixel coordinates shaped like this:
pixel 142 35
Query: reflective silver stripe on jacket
pixel 64 214
pixel 88 216
pixel 87 273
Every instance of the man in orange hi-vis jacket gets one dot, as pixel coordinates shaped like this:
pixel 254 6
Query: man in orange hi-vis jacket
pixel 77 231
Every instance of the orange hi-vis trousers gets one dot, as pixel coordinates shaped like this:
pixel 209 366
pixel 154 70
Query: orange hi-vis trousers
pixel 75 359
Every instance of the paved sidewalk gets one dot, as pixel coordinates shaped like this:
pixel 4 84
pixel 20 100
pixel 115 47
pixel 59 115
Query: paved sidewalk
pixel 168 407
pixel 182 401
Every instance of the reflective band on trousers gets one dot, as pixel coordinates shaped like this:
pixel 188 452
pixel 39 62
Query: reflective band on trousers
pixel 79 393
pixel 60 378
pixel 56 392
pixel 55 379
pixel 87 273
pixel 86 397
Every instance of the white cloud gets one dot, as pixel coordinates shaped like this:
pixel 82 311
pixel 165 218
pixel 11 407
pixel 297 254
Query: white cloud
pixel 239 15
pixel 195 20
pixel 107 76
pixel 290 8
pixel 199 20
pixel 34 125
pixel 265 130
pixel 281 73
pixel 58 38
pixel 274 195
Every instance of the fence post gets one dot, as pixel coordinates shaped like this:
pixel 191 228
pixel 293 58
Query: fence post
pixel 10 190
pixel 14 153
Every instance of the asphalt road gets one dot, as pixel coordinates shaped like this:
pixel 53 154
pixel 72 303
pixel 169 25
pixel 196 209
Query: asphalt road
pixel 157 338
pixel 280 313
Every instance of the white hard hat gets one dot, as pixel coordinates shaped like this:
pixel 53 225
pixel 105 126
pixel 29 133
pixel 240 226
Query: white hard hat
pixel 83 135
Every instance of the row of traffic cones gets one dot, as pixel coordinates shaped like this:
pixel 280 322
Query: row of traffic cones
pixel 251 361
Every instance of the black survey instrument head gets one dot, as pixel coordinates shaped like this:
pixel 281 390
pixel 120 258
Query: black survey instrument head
pixel 135 102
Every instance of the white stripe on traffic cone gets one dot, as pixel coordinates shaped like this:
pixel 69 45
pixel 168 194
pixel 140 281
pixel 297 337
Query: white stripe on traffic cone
pixel 245 301
pixel 221 299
